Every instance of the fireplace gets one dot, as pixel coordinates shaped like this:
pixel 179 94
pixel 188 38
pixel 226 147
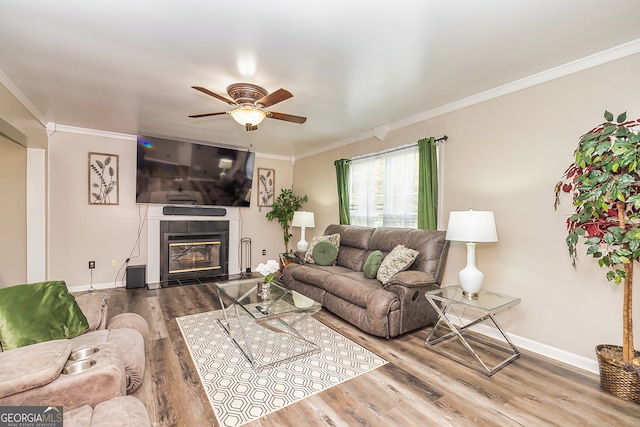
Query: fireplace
pixel 193 251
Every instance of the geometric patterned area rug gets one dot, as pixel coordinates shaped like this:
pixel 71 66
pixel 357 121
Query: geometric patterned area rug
pixel 239 394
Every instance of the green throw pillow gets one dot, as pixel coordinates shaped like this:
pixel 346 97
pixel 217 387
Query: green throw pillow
pixel 38 312
pixel 372 264
pixel 325 253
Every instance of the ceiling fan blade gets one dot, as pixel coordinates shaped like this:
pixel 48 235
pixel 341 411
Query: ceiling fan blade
pixel 207 114
pixel 274 97
pixel 286 117
pixel 215 95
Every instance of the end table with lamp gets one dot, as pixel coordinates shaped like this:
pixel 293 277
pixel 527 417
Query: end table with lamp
pixel 485 306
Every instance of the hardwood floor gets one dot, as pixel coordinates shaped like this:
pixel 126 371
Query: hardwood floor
pixel 417 387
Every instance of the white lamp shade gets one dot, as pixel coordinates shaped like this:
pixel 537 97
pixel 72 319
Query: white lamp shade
pixel 303 219
pixel 247 115
pixel 472 226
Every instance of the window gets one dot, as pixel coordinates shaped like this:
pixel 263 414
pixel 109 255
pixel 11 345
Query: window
pixel 384 189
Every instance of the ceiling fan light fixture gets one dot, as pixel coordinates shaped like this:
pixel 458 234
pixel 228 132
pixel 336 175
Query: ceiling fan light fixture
pixel 248 115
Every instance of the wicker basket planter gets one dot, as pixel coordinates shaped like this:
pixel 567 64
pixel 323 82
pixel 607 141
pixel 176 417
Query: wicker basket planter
pixel 621 379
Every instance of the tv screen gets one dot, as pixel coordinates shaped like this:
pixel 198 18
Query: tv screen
pixel 179 172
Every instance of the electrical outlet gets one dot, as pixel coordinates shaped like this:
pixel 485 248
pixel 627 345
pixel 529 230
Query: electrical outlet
pixel 92 265
pixel 264 252
pixel 114 263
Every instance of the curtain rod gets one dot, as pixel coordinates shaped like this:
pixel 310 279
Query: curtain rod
pixel 391 150
pixel 442 138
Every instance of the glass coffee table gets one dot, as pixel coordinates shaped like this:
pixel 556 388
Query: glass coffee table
pixel 262 325
pixel 457 314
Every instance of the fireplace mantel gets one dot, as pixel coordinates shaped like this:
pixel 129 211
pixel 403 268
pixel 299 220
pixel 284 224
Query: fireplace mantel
pixel 155 215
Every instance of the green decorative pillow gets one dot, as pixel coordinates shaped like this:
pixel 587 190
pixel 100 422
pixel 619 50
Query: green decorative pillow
pixel 325 253
pixel 38 312
pixel 399 259
pixel 372 264
pixel 333 238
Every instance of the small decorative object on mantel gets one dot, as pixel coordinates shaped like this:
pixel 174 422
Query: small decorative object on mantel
pixel 103 179
pixel 604 183
pixel 268 270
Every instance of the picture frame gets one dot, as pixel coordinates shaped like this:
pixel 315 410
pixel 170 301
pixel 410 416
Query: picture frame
pixel 266 187
pixel 103 176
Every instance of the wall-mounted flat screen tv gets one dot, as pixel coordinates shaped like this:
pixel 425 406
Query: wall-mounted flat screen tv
pixel 175 172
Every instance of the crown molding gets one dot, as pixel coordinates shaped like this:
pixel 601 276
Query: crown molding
pixel 54 127
pixel 13 90
pixel 591 61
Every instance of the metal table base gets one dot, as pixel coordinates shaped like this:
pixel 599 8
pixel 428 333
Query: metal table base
pixel 451 330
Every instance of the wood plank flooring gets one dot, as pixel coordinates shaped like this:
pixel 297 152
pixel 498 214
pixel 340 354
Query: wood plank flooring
pixel 418 387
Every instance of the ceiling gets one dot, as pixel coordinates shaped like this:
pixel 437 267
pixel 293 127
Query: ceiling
pixel 352 65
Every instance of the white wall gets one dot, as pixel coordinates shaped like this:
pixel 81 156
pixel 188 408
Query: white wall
pixel 79 232
pixel 506 155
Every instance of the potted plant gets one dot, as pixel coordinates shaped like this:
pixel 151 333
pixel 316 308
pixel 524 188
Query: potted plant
pixel 283 208
pixel 604 183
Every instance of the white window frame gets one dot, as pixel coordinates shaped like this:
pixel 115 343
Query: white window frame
pixel 363 209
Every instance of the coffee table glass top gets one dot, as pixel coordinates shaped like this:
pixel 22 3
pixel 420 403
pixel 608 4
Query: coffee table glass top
pixel 279 302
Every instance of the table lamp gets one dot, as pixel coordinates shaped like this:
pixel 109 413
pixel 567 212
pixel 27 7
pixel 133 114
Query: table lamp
pixel 471 227
pixel 303 220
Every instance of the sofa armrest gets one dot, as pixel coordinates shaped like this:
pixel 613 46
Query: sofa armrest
pixel 411 279
pixel 32 366
pixel 410 287
pixel 299 256
pixel 94 308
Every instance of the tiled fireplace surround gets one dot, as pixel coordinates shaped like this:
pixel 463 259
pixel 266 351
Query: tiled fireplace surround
pixel 154 238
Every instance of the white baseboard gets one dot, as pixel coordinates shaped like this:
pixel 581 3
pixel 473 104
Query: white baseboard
pixel 563 356
pixel 81 288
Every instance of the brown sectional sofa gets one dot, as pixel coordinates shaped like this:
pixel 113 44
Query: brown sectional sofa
pixel 382 310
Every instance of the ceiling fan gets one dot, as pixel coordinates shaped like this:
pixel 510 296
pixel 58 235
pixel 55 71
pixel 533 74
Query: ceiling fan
pixel 250 102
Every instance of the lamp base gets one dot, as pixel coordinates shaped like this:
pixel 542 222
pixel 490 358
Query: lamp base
pixel 470 277
pixel 302 245
pixel 470 295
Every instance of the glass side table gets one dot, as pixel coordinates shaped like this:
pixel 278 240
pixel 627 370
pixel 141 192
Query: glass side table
pixel 448 303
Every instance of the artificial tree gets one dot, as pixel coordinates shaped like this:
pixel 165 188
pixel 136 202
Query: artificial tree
pixel 283 208
pixel 604 182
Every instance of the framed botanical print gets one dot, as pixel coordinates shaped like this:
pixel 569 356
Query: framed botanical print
pixel 266 186
pixel 103 179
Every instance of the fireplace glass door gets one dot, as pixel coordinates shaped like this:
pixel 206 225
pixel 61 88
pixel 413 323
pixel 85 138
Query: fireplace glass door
pixel 194 256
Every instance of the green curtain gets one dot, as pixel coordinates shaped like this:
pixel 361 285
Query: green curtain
pixel 342 177
pixel 427 184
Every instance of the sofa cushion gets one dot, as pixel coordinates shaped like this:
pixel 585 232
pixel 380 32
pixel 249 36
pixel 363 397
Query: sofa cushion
pixel 38 312
pixel 120 411
pixel 372 264
pixel 399 259
pixel 333 238
pixel 430 244
pixel 45 363
pixel 315 274
pixel 325 253
pixel 354 243
pixel 352 287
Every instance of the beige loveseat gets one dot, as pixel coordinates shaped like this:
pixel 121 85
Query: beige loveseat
pixel 387 310
pixel 88 375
